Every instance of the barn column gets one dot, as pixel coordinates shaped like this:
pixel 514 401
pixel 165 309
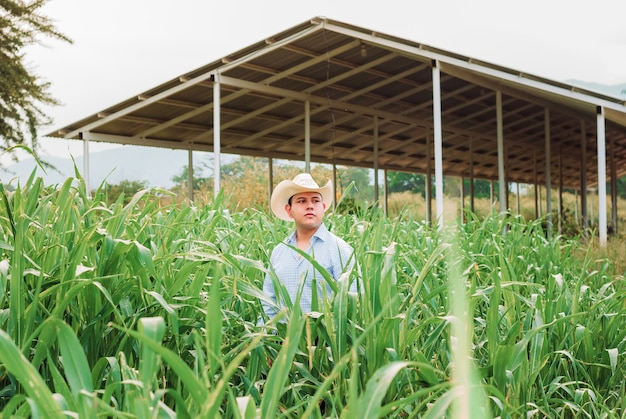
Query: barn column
pixel 583 175
pixel 217 166
pixel 334 186
pixel 437 135
pixel 560 190
pixel 190 174
pixel 270 178
pixel 613 188
pixel 517 200
pixel 428 182
pixel 376 195
pixel 386 192
pixel 502 192
pixel 601 144
pixel 85 159
pixel 536 182
pixel 471 185
pixel 307 136
pixel 546 118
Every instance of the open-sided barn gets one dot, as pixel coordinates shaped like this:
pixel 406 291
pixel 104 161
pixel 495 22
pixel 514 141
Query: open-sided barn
pixel 330 92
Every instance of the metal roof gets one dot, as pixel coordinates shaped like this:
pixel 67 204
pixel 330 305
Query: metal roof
pixel 358 81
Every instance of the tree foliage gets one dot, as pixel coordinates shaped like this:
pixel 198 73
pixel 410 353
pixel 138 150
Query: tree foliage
pixel 621 187
pixel 405 181
pixel 246 178
pixel 125 189
pixel 482 188
pixel 21 91
pixel 182 179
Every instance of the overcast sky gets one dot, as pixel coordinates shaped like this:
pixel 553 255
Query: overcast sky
pixel 124 47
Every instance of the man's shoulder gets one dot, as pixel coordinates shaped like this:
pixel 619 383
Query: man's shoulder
pixel 285 243
pixel 339 240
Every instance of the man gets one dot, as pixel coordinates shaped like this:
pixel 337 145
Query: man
pixel 302 201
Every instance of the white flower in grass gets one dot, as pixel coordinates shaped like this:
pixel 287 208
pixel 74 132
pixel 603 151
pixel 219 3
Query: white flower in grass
pixel 4 267
pixel 81 269
pixel 558 278
pixel 361 227
pixel 344 277
pixel 390 250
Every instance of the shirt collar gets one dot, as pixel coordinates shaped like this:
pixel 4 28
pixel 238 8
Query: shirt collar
pixel 321 234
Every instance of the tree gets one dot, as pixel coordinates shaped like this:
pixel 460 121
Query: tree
pixel 482 188
pixel 126 188
pixel 404 181
pixel 21 92
pixel 198 182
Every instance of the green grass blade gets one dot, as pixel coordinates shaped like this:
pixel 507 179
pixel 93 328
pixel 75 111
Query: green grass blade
pixel 281 366
pixel 77 371
pixel 214 323
pixel 340 316
pixel 152 328
pixel 17 365
pixel 196 388
pixel 75 367
pixel 247 407
pixel 369 404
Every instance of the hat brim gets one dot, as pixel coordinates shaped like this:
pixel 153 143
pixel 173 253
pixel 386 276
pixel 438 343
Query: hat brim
pixel 287 188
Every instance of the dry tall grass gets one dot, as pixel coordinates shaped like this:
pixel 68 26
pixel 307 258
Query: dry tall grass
pixel 249 190
pixel 416 206
pixel 569 223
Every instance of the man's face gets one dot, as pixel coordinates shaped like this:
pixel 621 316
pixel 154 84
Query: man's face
pixel 306 209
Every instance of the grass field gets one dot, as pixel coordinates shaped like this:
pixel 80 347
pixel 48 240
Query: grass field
pixel 142 310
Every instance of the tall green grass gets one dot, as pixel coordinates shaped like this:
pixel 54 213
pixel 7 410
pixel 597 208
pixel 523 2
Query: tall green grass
pixel 143 310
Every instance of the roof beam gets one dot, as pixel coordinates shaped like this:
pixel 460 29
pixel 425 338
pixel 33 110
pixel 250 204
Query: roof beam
pixel 467 64
pixel 276 76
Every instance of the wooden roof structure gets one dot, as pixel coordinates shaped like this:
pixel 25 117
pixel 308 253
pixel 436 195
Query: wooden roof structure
pixel 341 94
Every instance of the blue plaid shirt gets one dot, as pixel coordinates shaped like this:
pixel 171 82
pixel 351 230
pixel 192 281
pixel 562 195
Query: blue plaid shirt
pixel 330 251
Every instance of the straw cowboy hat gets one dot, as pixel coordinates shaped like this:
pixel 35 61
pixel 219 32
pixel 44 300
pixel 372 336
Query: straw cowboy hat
pixel 301 183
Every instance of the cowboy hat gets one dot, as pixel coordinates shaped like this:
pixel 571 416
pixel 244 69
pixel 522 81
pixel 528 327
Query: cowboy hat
pixel 301 183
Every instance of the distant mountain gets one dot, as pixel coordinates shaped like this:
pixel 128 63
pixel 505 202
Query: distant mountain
pixel 155 166
pixel 615 90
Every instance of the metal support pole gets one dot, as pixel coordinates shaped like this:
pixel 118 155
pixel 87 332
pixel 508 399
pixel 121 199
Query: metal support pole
pixel 613 187
pixel 270 177
pixel 500 132
pixel 85 160
pixel 536 182
pixel 428 183
pixel 307 136
pixel 583 174
pixel 386 192
pixel 376 194
pixel 548 161
pixel 334 186
pixel 491 195
pixel 576 205
pixel 462 200
pixel 217 166
pixel 471 185
pixel 190 175
pixel 601 144
pixel 438 138
pixel 560 190
pixel 519 209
